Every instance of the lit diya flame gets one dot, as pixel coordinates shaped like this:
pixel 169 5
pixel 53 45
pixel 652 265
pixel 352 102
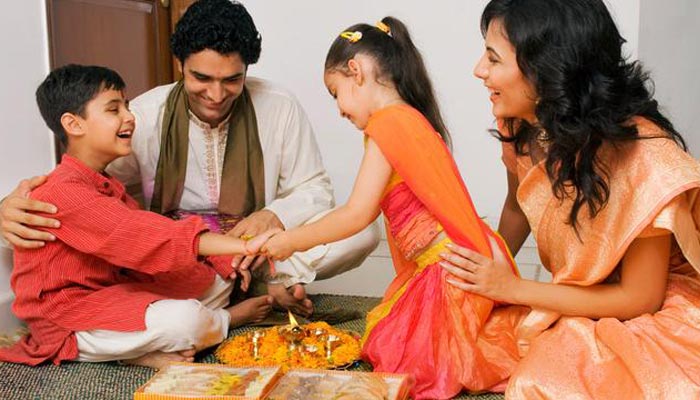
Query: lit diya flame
pixel 292 320
pixel 292 333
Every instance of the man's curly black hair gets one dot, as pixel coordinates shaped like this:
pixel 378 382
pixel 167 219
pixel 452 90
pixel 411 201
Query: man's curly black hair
pixel 220 25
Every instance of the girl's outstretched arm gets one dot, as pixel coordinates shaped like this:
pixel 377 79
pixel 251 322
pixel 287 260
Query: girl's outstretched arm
pixel 641 288
pixel 361 210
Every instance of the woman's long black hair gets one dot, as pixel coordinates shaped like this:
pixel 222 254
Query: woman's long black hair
pixel 399 61
pixel 587 91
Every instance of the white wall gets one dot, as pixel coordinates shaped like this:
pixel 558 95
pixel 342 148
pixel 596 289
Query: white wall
pixel 25 142
pixel 668 47
pixel 296 37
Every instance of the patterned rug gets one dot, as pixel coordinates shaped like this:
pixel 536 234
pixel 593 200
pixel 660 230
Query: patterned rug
pixel 81 381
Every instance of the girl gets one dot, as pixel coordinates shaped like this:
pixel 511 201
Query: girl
pixel 423 327
pixel 605 185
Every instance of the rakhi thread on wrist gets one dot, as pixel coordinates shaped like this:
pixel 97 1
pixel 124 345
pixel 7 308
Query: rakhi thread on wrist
pixel 246 237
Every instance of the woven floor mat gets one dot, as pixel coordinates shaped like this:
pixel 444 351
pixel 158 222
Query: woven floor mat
pixel 88 381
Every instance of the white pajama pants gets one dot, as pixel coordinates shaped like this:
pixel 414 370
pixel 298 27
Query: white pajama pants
pixel 171 325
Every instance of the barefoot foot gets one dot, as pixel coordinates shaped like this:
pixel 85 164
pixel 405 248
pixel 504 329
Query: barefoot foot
pixel 159 359
pixel 293 298
pixel 250 310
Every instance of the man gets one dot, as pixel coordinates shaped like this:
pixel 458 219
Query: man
pixel 219 140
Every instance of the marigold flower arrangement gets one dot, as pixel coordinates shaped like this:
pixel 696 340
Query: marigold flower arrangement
pixel 321 347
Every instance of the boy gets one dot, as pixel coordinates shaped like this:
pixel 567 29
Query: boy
pixel 118 283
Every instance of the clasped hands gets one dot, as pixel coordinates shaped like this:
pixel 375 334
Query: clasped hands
pixel 265 240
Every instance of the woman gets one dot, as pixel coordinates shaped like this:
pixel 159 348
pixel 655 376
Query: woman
pixel 602 180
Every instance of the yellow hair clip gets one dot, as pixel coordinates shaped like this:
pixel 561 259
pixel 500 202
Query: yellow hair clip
pixel 352 37
pixel 383 27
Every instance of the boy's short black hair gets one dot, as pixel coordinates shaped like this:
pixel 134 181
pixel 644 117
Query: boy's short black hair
pixel 69 89
pixel 220 25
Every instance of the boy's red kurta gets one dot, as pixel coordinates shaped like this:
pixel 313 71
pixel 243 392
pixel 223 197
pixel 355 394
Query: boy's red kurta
pixel 109 262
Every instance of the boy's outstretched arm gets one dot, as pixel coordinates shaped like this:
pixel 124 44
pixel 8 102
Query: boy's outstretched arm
pixel 214 244
pixel 361 210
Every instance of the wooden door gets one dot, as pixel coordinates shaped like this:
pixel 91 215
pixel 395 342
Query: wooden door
pixel 129 36
pixel 177 8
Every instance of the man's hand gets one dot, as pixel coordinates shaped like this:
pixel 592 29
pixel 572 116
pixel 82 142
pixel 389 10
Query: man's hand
pixel 253 225
pixel 16 219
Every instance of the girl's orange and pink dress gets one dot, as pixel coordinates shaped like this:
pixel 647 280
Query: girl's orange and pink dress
pixel 450 340
pixel 426 327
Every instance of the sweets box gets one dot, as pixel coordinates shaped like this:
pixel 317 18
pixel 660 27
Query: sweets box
pixel 314 384
pixel 180 381
pixel 194 381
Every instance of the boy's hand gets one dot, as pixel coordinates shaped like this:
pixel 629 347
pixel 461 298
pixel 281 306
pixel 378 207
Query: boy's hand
pixel 279 247
pixel 252 247
pixel 245 276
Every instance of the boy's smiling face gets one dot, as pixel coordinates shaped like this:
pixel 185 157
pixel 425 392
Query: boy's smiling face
pixel 104 131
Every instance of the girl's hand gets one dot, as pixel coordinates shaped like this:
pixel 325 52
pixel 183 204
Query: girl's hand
pixel 279 247
pixel 475 273
pixel 253 245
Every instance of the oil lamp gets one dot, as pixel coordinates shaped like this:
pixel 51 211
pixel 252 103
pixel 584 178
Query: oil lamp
pixel 292 333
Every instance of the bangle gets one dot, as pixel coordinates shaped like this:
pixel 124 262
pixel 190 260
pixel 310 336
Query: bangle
pixel 245 238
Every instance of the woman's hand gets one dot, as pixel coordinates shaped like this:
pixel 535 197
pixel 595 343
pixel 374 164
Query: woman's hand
pixel 475 273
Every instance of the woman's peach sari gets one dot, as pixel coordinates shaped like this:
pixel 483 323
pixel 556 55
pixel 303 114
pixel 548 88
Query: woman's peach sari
pixel 654 190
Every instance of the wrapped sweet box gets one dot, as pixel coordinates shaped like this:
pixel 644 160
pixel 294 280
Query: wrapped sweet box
pixel 188 381
pixel 310 384
pixel 179 381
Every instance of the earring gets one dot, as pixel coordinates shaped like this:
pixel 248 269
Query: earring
pixel 542 135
